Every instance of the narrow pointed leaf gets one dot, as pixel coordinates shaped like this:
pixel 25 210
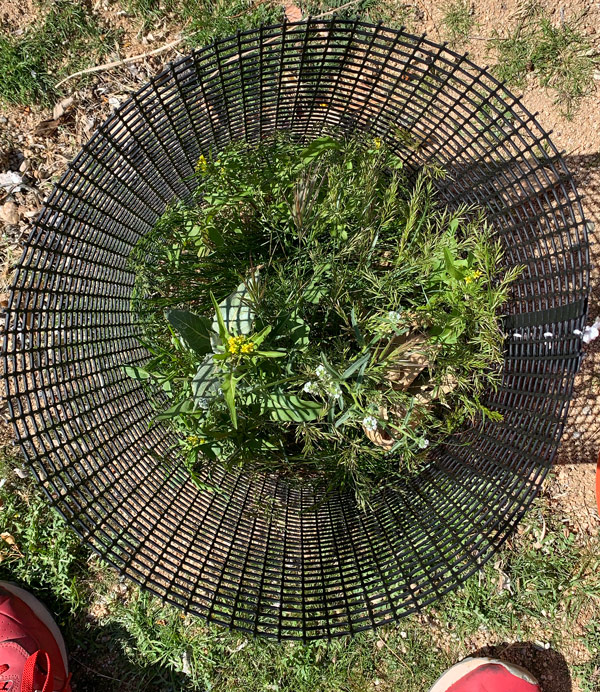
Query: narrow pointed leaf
pixel 229 392
pixel 218 321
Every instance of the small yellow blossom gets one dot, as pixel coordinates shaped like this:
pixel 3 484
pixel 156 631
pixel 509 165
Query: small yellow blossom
pixel 202 165
pixel 473 276
pixel 323 105
pixel 377 142
pixel 195 440
pixel 239 345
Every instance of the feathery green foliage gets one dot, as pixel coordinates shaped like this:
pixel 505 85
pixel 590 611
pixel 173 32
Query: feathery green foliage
pixel 312 312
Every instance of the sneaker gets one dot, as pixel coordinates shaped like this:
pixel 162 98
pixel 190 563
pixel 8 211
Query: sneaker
pixel 33 655
pixel 486 675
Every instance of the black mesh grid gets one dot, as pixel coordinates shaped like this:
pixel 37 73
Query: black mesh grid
pixel 261 556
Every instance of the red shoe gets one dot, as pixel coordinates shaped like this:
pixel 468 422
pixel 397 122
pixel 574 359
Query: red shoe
pixel 486 675
pixel 33 655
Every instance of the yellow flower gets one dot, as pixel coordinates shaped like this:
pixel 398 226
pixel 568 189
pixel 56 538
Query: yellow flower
pixel 237 345
pixel 233 344
pixel 473 276
pixel 195 440
pixel 377 142
pixel 202 165
pixel 323 105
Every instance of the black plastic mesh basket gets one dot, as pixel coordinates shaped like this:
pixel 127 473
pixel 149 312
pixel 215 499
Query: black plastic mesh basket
pixel 261 556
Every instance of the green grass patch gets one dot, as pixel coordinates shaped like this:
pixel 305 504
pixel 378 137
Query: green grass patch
pixel 67 37
pixel 206 20
pixel 560 57
pixel 545 585
pixel 588 673
pixel 457 21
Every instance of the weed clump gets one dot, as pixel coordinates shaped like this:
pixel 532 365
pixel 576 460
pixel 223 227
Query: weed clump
pixel 314 313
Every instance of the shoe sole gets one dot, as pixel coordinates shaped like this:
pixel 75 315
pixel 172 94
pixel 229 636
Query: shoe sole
pixel 467 665
pixel 42 612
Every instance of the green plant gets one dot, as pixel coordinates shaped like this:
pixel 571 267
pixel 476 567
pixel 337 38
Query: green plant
pixel 588 673
pixel 354 317
pixel 36 547
pixel 458 21
pixel 560 56
pixel 67 37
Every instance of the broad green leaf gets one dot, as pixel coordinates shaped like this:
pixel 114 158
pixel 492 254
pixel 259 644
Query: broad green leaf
pixel 177 410
pixel 317 147
pixel 136 373
pixel 448 335
pixel 215 236
pixel 271 354
pixel 229 391
pixel 236 312
pixel 299 332
pixel 285 408
pixel 205 382
pixel 193 329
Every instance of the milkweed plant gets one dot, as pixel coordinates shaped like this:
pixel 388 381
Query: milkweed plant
pixel 316 312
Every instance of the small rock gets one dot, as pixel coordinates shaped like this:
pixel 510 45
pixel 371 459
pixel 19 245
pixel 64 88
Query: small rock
pixel 11 181
pixel 3 120
pixel 24 167
pixel 9 213
pixel 22 473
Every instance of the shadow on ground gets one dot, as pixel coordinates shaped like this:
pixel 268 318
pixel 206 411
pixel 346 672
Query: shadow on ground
pixel 99 663
pixel 581 439
pixel 546 665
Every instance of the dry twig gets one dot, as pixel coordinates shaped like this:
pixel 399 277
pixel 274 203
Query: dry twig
pixel 169 46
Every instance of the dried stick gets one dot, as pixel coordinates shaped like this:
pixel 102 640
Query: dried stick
pixel 117 63
pixel 168 46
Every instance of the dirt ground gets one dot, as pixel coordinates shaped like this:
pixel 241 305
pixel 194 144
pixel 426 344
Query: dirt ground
pixel 39 144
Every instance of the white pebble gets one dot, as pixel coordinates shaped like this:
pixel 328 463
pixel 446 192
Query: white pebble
pixel 11 181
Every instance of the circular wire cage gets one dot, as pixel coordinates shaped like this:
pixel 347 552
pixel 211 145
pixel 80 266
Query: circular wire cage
pixel 262 556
